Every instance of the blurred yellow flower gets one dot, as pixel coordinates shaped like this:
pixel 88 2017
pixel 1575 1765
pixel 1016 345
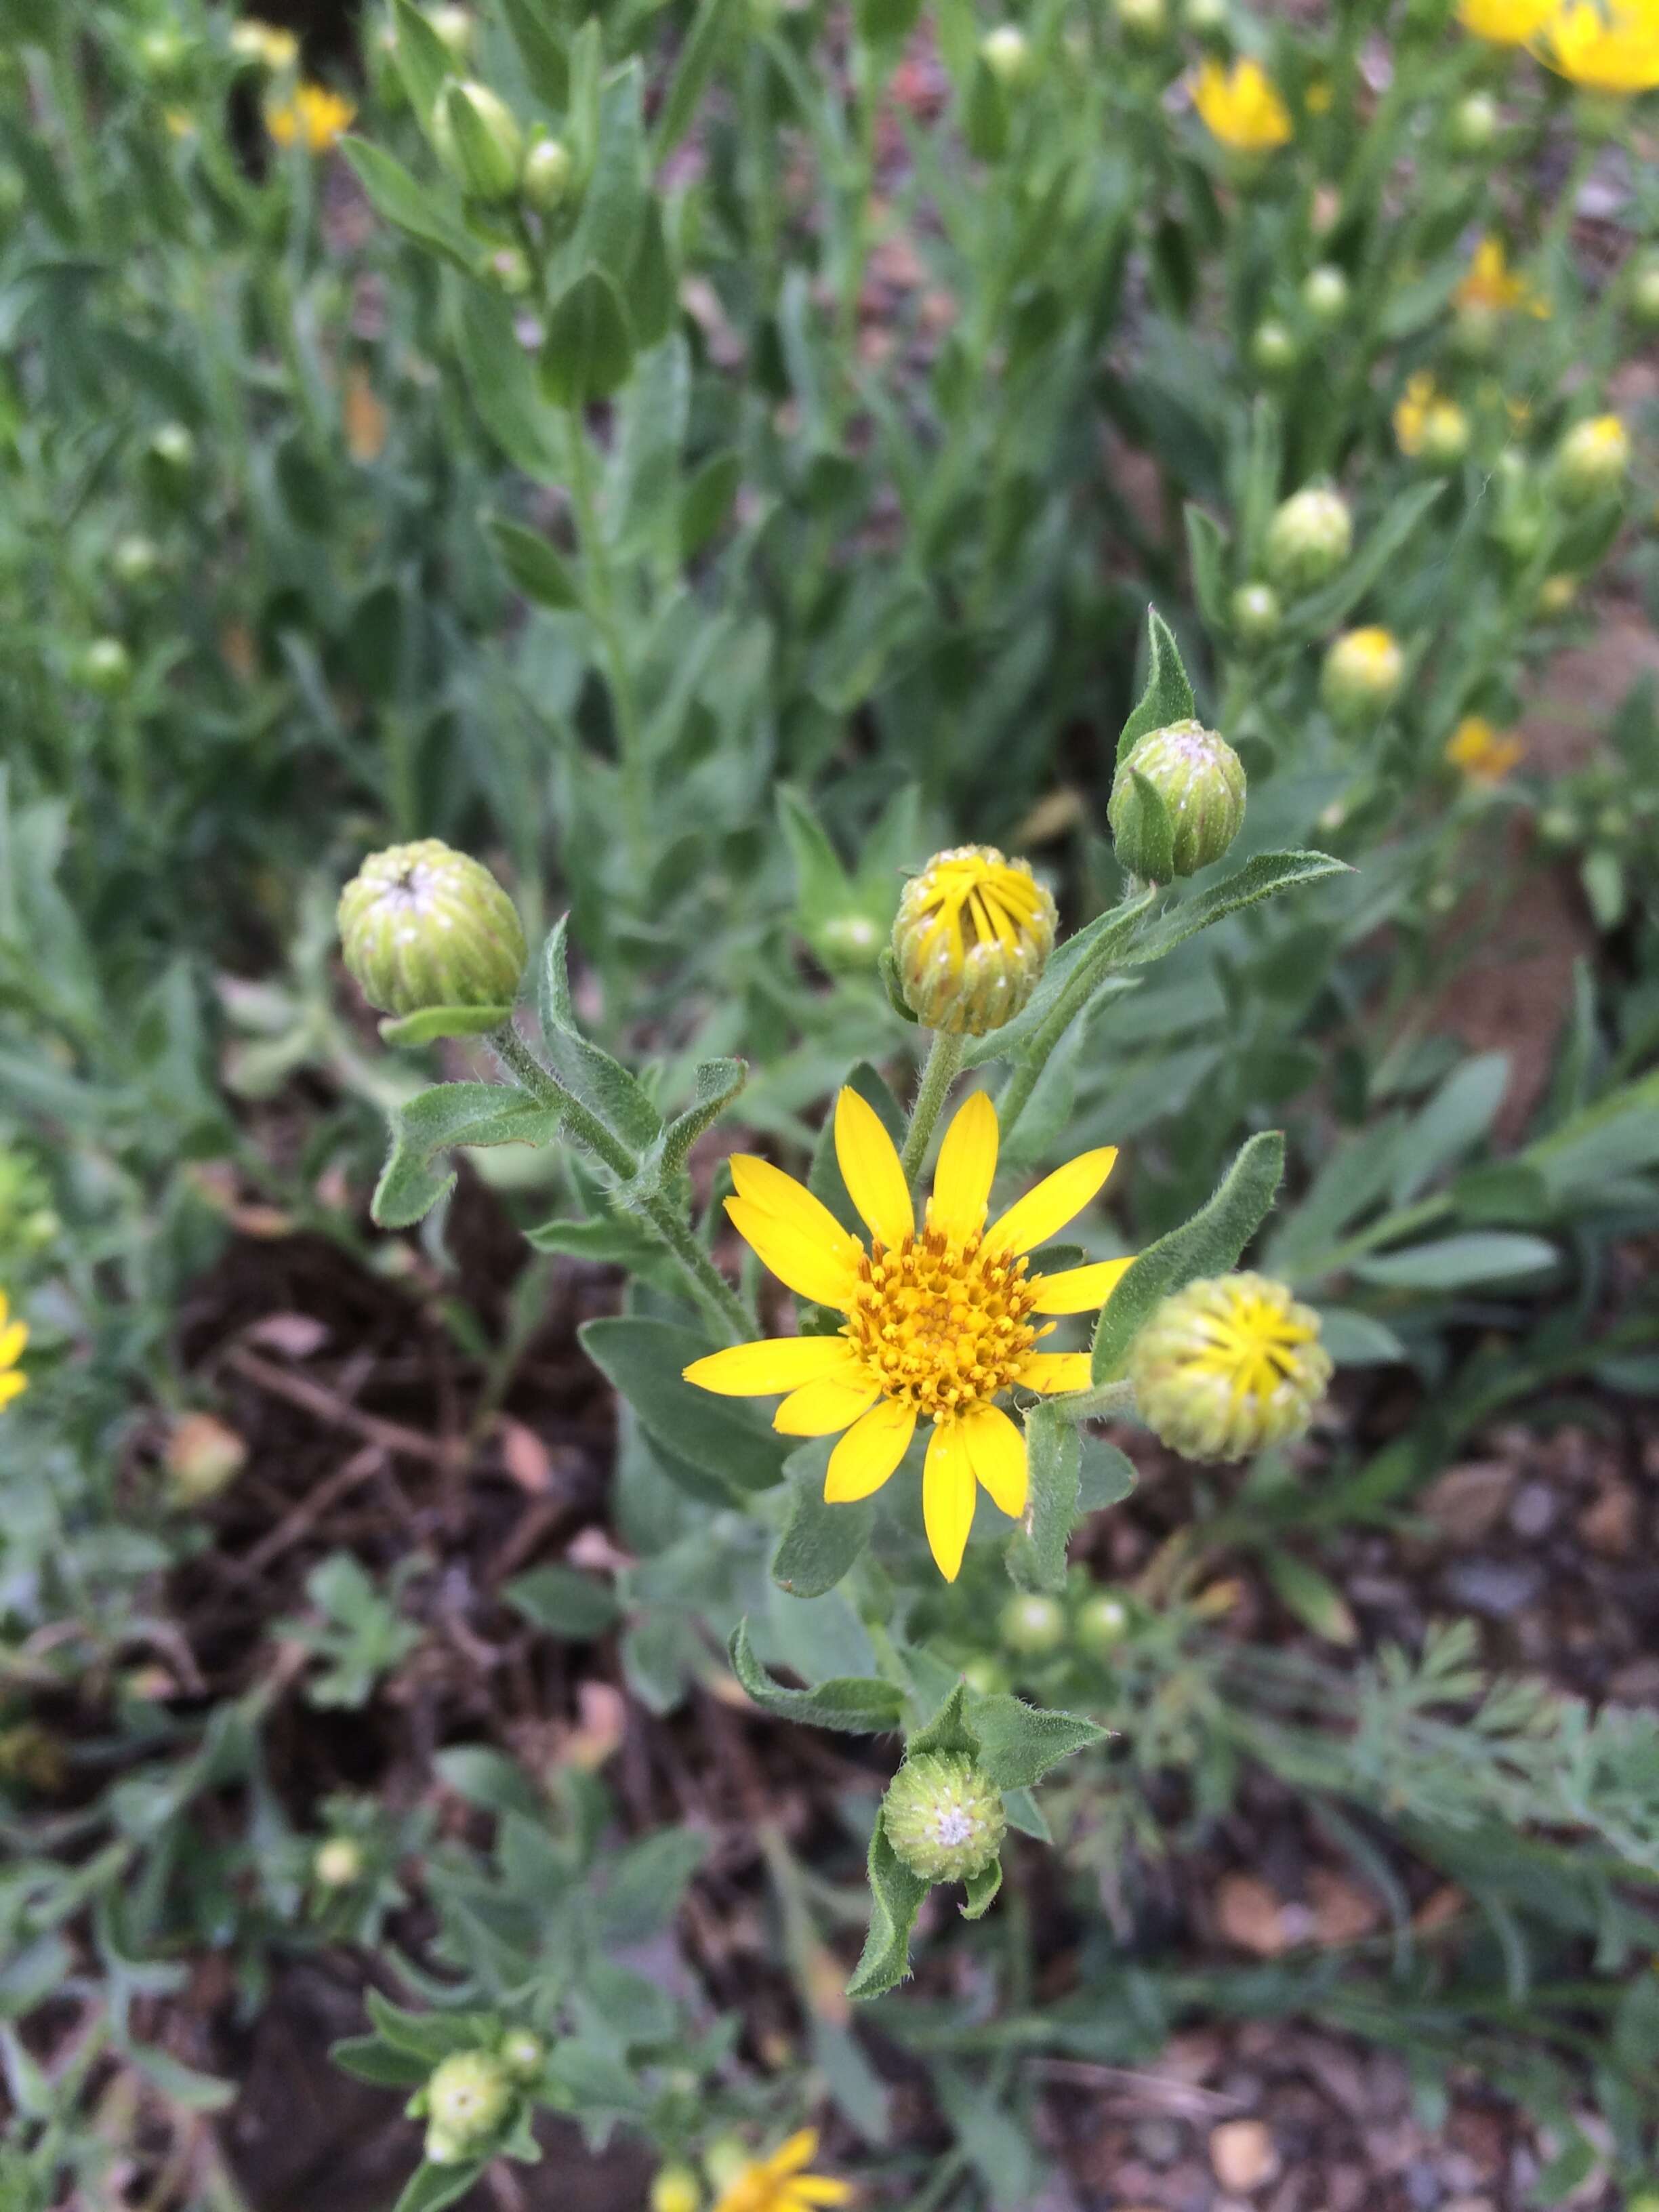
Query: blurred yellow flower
pixel 1605 45
pixel 365 417
pixel 14 1335
pixel 938 1318
pixel 1426 422
pixel 1318 96
pixel 1483 754
pixel 315 117
pixel 778 2184
pixel 253 40
pixel 1491 285
pixel 1505 22
pixel 1242 106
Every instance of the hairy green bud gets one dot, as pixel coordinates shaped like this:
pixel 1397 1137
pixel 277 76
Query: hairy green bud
pixel 944 1818
pixel 107 667
pixel 1006 52
pixel 1228 1366
pixel 456 30
pixel 467 2098
pixel 1199 779
pixel 1102 1623
pixel 1474 123
pixel 135 561
pixel 1592 460
pixel 339 1863
pixel 423 926
pixel 1363 672
pixel 1256 613
pixel 970 939
pixel 523 2053
pixel 548 171
pixel 476 136
pixel 1309 538
pixel 1272 348
pixel 1032 1622
pixel 1325 293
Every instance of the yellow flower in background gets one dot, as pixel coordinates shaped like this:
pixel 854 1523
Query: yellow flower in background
pixel 938 1319
pixel 1242 106
pixel 1318 96
pixel 365 417
pixel 1483 754
pixel 313 117
pixel 1426 422
pixel 1228 1366
pixel 1490 285
pixel 1505 22
pixel 1603 46
pixel 251 41
pixel 779 2184
pixel 14 1335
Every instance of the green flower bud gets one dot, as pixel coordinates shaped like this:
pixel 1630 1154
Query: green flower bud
pixel 1363 672
pixel 1558 827
pixel 339 1863
pixel 1310 537
pixel 174 448
pixel 1445 433
pixel 1256 613
pixel 107 667
pixel 1102 1621
pixel 847 943
pixel 1476 328
pixel 1556 594
pixel 676 2188
pixel 455 29
pixel 1006 52
pixel 523 2053
pixel 1272 348
pixel 988 1676
pixel 548 170
pixel 1032 1622
pixel 1644 290
pixel 508 266
pixel 135 560
pixel 1592 460
pixel 1474 123
pixel 422 926
pixel 725 2158
pixel 477 137
pixel 1200 779
pixel 164 55
pixel 1325 293
pixel 1204 18
pixel 1146 21
pixel 1228 1366
pixel 970 939
pixel 943 1817
pixel 467 2098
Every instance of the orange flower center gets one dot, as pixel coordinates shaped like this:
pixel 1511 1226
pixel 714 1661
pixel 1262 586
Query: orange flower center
pixel 941 1323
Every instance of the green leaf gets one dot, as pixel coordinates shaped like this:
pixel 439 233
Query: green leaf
pixel 1093 948
pixel 1264 876
pixel 431 2187
pixel 710 29
pixel 707 500
pixel 589 348
pixel 536 569
pixel 982 1888
pixel 647 1882
pixel 1206 555
pixel 949 1730
pixel 1019 1743
pixel 720 1436
pixel 1026 1814
pixel 546 66
pixel 423 61
pixel 1053 1450
pixel 985 116
pixel 1209 1244
pixel 501 378
pixel 1358 1340
pixel 489 1779
pixel 651 294
pixel 408 207
pixel 1106 1476
pixel 563 1602
pixel 449 1115
pixel 716 1084
pixel 367 2058
pixel 820 1541
pixel 896 999
pixel 1455 1263
pixel 853 1705
pixel 895 1896
pixel 1146 830
pixel 1168 696
pixel 433 1023
pixel 617 1240
pixel 179 2084
pixel 1311 1597
pixel 602 1084
pixel 1455 1119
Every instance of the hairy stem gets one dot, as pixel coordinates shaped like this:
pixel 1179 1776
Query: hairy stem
pixel 944 1062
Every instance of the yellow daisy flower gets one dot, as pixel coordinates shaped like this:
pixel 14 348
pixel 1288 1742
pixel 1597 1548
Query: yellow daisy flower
pixel 1483 754
pixel 938 1319
pixel 251 41
pixel 315 117
pixel 1489 285
pixel 1604 45
pixel 778 2184
pixel 1242 106
pixel 14 1335
pixel 1505 22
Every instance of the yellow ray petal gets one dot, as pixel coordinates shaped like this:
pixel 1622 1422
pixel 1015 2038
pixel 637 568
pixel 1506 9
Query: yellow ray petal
pixel 809 1269
pixel 760 1184
pixel 996 1452
pixel 13 1383
pixel 772 1362
pixel 12 1342
pixel 869 1452
pixel 794 2152
pixel 947 1498
pixel 5 1308
pixel 1043 1212
pixel 814 2189
pixel 819 1409
pixel 1049 1371
pixel 967 1167
pixel 1080 1289
pixel 870 1169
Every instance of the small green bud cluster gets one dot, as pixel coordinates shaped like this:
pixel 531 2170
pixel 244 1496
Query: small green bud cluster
pixel 466 2102
pixel 1324 295
pixel 1145 22
pixel 1474 123
pixel 944 1817
pixel 1032 1622
pixel 1272 348
pixel 1309 538
pixel 1592 461
pixel 338 1862
pixel 1006 52
pixel 135 561
pixel 1201 781
pixel 1363 672
pixel 105 667
pixel 476 134
pixel 1255 612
